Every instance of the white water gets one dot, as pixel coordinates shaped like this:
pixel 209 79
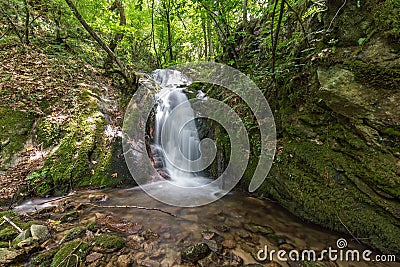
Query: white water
pixel 175 134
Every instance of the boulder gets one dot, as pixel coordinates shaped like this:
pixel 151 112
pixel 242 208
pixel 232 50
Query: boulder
pixel 39 232
pixel 195 253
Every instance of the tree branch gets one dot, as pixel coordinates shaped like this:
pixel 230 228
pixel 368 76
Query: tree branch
pixel 103 45
pixel 131 207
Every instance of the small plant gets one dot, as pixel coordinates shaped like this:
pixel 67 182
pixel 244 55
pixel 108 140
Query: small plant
pixel 36 177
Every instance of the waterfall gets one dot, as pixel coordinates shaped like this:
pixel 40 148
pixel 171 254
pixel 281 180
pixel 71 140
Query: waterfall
pixel 176 140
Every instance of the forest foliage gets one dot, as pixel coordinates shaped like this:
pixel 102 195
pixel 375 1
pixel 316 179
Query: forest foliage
pixel 148 34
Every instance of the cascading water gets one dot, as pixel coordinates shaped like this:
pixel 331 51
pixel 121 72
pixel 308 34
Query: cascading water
pixel 176 140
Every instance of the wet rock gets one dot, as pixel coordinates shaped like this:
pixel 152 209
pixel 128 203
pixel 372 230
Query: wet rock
pixel 207 235
pixel 9 255
pixel 256 228
pixel 210 261
pixel 277 239
pixel 148 234
pixel 70 216
pixel 273 264
pixel 97 197
pixel 286 247
pixel 242 233
pixel 120 225
pixel 124 261
pixel 229 243
pixel 150 247
pixel 212 245
pixel 149 263
pixel 39 232
pixel 140 256
pixel 77 247
pixel 166 235
pixel 222 228
pixel 157 255
pixel 93 257
pixel 234 260
pixel 195 253
pixel 108 242
pixel 134 242
pixel 22 236
pixel 74 233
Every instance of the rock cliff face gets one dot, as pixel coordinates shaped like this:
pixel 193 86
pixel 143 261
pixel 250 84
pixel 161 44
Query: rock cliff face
pixel 338 159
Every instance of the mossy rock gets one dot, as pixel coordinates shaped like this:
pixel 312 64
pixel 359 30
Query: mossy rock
pixel 387 17
pixel 43 259
pixel 15 127
pixel 109 241
pixel 73 234
pixel 65 256
pixel 48 132
pixel 7 232
pixel 195 253
pixel 91 226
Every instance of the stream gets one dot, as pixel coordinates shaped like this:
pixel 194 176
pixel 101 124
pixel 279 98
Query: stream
pixel 241 223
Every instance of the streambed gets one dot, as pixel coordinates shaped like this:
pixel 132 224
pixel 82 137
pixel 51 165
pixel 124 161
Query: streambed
pixel 234 228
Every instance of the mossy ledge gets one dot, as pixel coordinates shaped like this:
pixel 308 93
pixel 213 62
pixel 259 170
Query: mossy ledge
pixel 83 154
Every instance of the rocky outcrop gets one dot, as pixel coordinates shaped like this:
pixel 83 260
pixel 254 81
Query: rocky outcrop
pixel 338 155
pixel 59 127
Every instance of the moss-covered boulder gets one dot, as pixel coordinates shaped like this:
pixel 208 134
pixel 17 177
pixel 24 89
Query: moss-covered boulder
pixel 83 153
pixel 70 254
pixel 15 130
pixel 195 253
pixel 109 241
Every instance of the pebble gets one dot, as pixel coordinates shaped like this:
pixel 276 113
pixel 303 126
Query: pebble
pixel 229 243
pixel 124 261
pixel 93 257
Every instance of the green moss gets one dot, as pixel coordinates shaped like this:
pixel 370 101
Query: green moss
pixel 70 164
pixel 48 133
pixel 4 244
pixel 74 233
pixel 375 75
pixel 64 254
pixel 108 241
pixel 387 16
pixel 7 232
pixel 91 226
pixel 43 259
pixel 391 131
pixel 321 185
pixel 15 127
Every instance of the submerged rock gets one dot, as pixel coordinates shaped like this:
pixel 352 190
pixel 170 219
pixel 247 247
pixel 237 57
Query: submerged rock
pixel 255 228
pixel 195 253
pixel 93 257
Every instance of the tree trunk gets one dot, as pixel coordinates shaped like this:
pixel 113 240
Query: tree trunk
pixel 204 28
pixel 167 10
pixel 153 33
pixel 26 21
pixel 245 14
pixel 119 36
pixel 123 71
pixel 210 41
